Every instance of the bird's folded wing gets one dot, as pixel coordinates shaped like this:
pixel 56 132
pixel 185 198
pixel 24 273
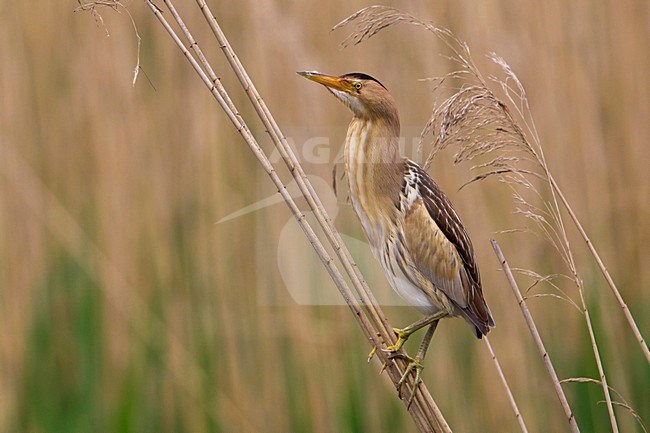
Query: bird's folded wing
pixel 432 255
pixel 440 246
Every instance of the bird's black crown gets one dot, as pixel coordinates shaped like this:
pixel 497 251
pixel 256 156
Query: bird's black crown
pixel 362 76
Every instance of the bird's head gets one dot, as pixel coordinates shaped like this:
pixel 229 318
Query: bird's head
pixel 362 94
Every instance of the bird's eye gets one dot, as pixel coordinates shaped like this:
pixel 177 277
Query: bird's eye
pixel 357 85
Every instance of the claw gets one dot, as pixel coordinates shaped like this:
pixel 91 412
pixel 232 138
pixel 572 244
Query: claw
pixel 372 353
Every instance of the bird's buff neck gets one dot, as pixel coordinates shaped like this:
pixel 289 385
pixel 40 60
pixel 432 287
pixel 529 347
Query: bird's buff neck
pixel 372 141
pixel 375 172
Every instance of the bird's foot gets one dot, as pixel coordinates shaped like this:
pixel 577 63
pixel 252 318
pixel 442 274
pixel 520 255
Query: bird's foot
pixel 393 349
pixel 402 336
pixel 414 364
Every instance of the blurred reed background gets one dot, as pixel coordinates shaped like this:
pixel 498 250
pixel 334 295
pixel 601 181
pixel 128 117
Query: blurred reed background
pixel 125 308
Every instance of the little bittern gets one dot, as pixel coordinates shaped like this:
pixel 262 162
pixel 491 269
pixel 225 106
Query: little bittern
pixel 410 224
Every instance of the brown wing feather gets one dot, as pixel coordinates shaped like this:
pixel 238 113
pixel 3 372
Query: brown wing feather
pixel 433 257
pixel 446 219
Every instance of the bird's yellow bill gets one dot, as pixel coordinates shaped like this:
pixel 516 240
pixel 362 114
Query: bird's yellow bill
pixel 332 82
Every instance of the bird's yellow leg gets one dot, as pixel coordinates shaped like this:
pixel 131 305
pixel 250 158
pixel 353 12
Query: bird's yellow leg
pixel 417 364
pixel 401 339
pixel 403 334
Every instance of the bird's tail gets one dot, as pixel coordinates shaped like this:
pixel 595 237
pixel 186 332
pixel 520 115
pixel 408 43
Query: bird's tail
pixel 481 322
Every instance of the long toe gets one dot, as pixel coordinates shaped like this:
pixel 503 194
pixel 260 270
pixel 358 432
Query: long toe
pixel 413 365
pixel 416 384
pixel 400 355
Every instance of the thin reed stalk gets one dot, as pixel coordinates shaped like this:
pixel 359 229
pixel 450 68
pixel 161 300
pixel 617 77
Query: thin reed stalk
pixel 424 412
pixel 502 377
pixel 603 269
pixel 554 230
pixel 536 337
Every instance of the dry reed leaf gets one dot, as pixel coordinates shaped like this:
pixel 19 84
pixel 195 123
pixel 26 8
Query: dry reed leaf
pixel 623 403
pixel 93 6
pixel 115 5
